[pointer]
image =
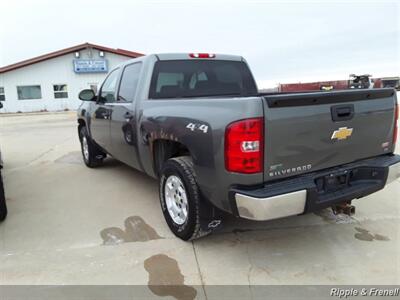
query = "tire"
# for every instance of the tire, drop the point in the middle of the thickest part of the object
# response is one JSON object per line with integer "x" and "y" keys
{"x": 91, "y": 153}
{"x": 179, "y": 177}
{"x": 3, "y": 206}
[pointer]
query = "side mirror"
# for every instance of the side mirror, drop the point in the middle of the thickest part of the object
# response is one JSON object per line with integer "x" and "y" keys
{"x": 87, "y": 95}
{"x": 1, "y": 105}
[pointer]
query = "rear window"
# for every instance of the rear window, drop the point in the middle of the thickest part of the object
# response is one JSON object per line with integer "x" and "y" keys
{"x": 201, "y": 78}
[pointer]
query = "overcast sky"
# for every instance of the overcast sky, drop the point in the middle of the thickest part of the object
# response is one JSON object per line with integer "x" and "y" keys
{"x": 283, "y": 41}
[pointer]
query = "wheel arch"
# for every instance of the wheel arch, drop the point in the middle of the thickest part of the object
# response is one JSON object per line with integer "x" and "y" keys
{"x": 164, "y": 149}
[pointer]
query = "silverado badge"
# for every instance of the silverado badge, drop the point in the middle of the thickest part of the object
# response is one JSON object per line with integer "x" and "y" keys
{"x": 342, "y": 133}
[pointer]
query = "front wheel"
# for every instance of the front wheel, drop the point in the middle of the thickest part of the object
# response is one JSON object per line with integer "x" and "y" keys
{"x": 3, "y": 206}
{"x": 181, "y": 202}
{"x": 92, "y": 155}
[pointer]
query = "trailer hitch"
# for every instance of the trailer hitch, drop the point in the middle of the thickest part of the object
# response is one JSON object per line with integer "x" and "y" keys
{"x": 344, "y": 208}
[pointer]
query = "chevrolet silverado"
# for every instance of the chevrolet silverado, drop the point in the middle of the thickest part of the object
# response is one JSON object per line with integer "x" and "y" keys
{"x": 198, "y": 124}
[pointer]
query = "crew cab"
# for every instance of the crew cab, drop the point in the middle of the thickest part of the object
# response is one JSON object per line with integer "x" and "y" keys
{"x": 198, "y": 124}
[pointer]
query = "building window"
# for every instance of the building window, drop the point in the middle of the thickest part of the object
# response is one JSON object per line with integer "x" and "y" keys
{"x": 2, "y": 96}
{"x": 93, "y": 87}
{"x": 60, "y": 91}
{"x": 29, "y": 92}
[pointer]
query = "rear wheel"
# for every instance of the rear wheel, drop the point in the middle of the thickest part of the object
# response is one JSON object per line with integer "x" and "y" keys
{"x": 92, "y": 155}
{"x": 180, "y": 199}
{"x": 3, "y": 206}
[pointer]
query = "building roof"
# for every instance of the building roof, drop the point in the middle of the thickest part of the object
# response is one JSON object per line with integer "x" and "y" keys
{"x": 61, "y": 52}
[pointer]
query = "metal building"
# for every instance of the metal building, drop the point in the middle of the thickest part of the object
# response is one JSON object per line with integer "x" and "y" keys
{"x": 51, "y": 82}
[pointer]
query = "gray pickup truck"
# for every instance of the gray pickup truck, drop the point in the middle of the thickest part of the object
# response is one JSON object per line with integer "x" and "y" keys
{"x": 198, "y": 124}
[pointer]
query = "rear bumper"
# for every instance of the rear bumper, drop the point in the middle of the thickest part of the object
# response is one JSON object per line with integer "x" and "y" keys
{"x": 269, "y": 208}
{"x": 310, "y": 193}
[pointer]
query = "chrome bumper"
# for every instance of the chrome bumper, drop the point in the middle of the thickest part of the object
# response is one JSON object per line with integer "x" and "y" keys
{"x": 257, "y": 207}
{"x": 262, "y": 209}
{"x": 394, "y": 173}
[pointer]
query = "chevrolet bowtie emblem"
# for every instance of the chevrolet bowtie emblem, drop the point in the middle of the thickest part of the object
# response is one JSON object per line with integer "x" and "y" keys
{"x": 342, "y": 133}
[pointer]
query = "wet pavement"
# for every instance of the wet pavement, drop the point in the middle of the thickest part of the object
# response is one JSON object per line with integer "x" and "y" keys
{"x": 69, "y": 224}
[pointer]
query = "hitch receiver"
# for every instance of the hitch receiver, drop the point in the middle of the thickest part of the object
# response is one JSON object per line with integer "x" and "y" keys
{"x": 344, "y": 208}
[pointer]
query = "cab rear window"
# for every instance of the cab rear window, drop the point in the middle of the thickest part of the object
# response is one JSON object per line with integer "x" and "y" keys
{"x": 201, "y": 78}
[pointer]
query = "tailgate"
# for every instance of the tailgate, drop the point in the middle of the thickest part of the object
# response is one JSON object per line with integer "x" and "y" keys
{"x": 305, "y": 132}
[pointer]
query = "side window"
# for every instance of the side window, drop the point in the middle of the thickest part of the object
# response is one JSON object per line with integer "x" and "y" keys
{"x": 129, "y": 82}
{"x": 109, "y": 86}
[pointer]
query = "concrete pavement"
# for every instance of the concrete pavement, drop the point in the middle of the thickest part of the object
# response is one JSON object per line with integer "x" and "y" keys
{"x": 69, "y": 224}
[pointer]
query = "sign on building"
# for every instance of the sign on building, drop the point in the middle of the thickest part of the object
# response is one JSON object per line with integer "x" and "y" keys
{"x": 90, "y": 66}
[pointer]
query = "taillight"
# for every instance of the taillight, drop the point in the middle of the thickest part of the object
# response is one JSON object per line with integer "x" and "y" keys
{"x": 244, "y": 142}
{"x": 395, "y": 129}
{"x": 201, "y": 55}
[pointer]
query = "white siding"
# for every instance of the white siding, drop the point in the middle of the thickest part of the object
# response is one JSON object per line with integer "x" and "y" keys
{"x": 57, "y": 70}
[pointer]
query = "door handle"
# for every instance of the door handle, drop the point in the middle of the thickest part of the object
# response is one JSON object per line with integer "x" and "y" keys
{"x": 342, "y": 112}
{"x": 104, "y": 115}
